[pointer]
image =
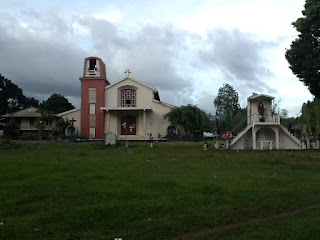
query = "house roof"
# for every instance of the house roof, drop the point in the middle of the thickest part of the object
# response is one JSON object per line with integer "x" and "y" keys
{"x": 28, "y": 112}
{"x": 132, "y": 79}
{"x": 69, "y": 111}
{"x": 260, "y": 96}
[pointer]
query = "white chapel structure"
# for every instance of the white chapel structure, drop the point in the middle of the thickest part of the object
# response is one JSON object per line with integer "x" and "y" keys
{"x": 129, "y": 108}
{"x": 263, "y": 130}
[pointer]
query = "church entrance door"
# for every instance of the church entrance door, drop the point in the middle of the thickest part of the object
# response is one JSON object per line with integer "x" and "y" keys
{"x": 128, "y": 125}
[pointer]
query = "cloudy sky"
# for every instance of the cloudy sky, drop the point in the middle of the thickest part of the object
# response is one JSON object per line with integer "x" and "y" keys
{"x": 187, "y": 49}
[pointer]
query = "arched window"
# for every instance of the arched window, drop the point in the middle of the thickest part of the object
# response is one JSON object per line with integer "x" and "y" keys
{"x": 128, "y": 98}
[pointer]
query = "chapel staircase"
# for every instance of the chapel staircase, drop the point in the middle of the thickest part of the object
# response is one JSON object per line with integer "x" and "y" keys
{"x": 296, "y": 140}
{"x": 240, "y": 134}
{"x": 284, "y": 129}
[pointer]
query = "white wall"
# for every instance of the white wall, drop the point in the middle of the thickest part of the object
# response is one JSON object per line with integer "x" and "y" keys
{"x": 154, "y": 121}
{"x": 252, "y": 109}
{"x": 265, "y": 134}
{"x": 267, "y": 106}
{"x": 157, "y": 124}
{"x": 76, "y": 115}
{"x": 144, "y": 95}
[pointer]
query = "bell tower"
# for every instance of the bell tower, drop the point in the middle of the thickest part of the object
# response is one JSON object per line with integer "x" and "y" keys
{"x": 93, "y": 83}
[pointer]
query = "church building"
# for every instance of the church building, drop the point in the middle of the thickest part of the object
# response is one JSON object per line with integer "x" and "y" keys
{"x": 129, "y": 108}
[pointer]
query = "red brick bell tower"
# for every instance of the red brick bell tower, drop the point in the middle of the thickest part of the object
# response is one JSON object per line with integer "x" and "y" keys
{"x": 93, "y": 85}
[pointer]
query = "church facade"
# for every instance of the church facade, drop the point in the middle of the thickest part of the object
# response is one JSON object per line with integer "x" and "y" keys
{"x": 129, "y": 108}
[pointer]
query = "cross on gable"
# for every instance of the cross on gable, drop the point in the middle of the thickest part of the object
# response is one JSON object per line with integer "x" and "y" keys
{"x": 72, "y": 121}
{"x": 127, "y": 72}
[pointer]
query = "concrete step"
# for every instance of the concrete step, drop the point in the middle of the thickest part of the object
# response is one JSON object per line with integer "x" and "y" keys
{"x": 290, "y": 134}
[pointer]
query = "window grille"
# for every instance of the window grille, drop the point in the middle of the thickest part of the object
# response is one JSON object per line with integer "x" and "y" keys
{"x": 128, "y": 98}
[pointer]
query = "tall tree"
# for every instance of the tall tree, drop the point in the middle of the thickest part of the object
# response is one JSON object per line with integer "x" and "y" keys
{"x": 304, "y": 53}
{"x": 310, "y": 117}
{"x": 56, "y": 103}
{"x": 12, "y": 97}
{"x": 190, "y": 118}
{"x": 227, "y": 107}
{"x": 226, "y": 101}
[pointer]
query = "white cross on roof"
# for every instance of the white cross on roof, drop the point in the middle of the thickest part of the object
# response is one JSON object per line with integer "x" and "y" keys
{"x": 127, "y": 72}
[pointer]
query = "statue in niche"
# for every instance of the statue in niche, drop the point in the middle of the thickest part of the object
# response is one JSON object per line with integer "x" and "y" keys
{"x": 261, "y": 109}
{"x": 261, "y": 112}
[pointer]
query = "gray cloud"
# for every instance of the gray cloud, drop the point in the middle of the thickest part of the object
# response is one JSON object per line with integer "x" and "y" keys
{"x": 205, "y": 102}
{"x": 41, "y": 54}
{"x": 239, "y": 57}
{"x": 40, "y": 58}
{"x": 149, "y": 53}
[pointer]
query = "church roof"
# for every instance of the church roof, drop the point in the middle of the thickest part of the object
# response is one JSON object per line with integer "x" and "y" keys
{"x": 69, "y": 111}
{"x": 164, "y": 104}
{"x": 132, "y": 79}
{"x": 260, "y": 96}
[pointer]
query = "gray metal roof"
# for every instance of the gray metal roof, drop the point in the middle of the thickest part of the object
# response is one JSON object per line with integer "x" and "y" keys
{"x": 28, "y": 112}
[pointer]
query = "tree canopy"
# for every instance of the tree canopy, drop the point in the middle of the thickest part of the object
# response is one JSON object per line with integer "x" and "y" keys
{"x": 310, "y": 117}
{"x": 56, "y": 103}
{"x": 226, "y": 102}
{"x": 12, "y": 97}
{"x": 304, "y": 53}
{"x": 228, "y": 114}
{"x": 190, "y": 117}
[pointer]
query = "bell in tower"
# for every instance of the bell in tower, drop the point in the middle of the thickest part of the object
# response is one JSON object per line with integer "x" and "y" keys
{"x": 94, "y": 67}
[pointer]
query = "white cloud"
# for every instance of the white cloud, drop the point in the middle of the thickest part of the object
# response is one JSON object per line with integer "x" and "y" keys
{"x": 205, "y": 102}
{"x": 241, "y": 42}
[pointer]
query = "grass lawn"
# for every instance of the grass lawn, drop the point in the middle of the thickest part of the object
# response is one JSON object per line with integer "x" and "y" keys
{"x": 71, "y": 191}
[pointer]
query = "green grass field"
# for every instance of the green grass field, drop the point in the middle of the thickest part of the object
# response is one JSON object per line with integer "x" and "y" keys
{"x": 71, "y": 191}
